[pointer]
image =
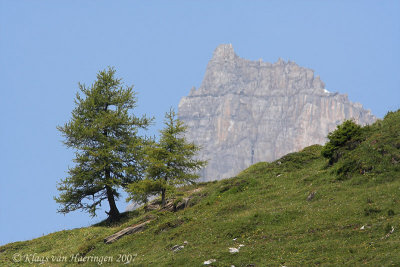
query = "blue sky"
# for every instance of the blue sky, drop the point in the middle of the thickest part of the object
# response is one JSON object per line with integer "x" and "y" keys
{"x": 162, "y": 47}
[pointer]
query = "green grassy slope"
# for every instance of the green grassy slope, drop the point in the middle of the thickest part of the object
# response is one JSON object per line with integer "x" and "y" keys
{"x": 349, "y": 221}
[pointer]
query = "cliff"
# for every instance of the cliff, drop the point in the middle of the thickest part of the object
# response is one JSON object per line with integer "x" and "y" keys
{"x": 250, "y": 111}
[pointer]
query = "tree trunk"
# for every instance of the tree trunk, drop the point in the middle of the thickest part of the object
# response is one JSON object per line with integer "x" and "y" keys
{"x": 113, "y": 214}
{"x": 163, "y": 197}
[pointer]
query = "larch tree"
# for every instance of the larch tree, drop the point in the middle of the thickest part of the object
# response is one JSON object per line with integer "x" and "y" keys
{"x": 108, "y": 148}
{"x": 170, "y": 162}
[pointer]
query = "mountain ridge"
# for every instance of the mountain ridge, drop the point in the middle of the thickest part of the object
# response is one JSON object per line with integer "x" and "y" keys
{"x": 259, "y": 111}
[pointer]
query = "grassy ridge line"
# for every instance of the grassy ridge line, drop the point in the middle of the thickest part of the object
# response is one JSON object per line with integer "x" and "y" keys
{"x": 264, "y": 208}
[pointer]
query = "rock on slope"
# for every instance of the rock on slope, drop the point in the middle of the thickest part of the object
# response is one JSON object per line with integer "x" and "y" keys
{"x": 250, "y": 111}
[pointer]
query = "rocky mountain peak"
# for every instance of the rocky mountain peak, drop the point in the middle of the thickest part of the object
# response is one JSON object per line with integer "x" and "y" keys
{"x": 224, "y": 52}
{"x": 280, "y": 62}
{"x": 249, "y": 111}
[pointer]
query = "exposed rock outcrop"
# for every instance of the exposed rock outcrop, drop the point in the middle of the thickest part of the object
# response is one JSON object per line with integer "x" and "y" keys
{"x": 127, "y": 231}
{"x": 250, "y": 111}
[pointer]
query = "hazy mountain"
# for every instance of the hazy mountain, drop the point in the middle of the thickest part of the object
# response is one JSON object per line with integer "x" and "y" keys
{"x": 249, "y": 111}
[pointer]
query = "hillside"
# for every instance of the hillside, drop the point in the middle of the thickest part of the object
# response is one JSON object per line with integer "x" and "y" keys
{"x": 295, "y": 211}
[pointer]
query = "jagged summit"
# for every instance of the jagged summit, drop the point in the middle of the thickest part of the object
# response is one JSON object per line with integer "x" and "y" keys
{"x": 224, "y": 52}
{"x": 234, "y": 74}
{"x": 249, "y": 111}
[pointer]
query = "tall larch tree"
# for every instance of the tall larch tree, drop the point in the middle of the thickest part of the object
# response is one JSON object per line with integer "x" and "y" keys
{"x": 108, "y": 149}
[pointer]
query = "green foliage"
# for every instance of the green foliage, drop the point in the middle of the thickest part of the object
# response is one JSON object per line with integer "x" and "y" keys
{"x": 170, "y": 162}
{"x": 346, "y": 137}
{"x": 109, "y": 152}
{"x": 172, "y": 158}
{"x": 378, "y": 152}
{"x": 140, "y": 191}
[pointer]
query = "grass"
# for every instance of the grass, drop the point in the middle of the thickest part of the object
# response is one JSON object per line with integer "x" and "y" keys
{"x": 349, "y": 222}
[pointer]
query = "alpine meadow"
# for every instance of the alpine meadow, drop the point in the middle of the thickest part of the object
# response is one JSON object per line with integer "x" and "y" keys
{"x": 299, "y": 210}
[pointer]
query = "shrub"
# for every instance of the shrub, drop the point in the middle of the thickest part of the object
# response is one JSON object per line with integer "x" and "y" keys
{"x": 346, "y": 137}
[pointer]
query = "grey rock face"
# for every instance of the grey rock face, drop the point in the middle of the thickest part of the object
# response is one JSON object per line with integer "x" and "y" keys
{"x": 250, "y": 111}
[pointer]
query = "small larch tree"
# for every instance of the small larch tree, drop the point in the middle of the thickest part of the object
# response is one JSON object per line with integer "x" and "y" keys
{"x": 108, "y": 148}
{"x": 170, "y": 162}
